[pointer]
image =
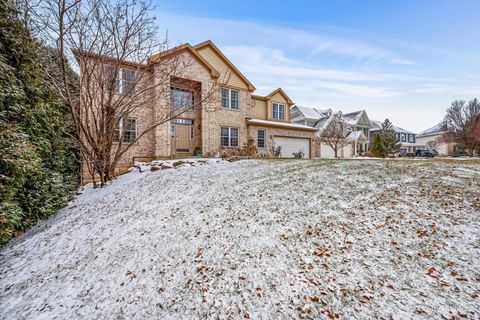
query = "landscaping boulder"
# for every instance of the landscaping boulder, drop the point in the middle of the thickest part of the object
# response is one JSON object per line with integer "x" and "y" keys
{"x": 154, "y": 168}
{"x": 178, "y": 163}
{"x": 166, "y": 166}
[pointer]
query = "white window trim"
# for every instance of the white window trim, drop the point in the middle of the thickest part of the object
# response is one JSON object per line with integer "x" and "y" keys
{"x": 230, "y": 137}
{"x": 120, "y": 88}
{"x": 278, "y": 111}
{"x": 121, "y": 132}
{"x": 229, "y": 104}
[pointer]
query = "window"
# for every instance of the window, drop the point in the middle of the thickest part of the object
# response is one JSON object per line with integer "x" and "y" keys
{"x": 278, "y": 111}
{"x": 228, "y": 137}
{"x": 411, "y": 138}
{"x": 190, "y": 131}
{"x": 404, "y": 137}
{"x": 182, "y": 121}
{"x": 127, "y": 81}
{"x": 261, "y": 138}
{"x": 181, "y": 98}
{"x": 229, "y": 99}
{"x": 398, "y": 136}
{"x": 126, "y": 127}
{"x": 174, "y": 130}
{"x": 123, "y": 79}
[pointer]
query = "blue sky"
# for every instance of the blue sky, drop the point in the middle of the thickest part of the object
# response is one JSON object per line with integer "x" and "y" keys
{"x": 402, "y": 60}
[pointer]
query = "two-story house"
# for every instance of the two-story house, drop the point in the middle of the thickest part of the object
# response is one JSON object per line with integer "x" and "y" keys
{"x": 356, "y": 129}
{"x": 407, "y": 139}
{"x": 236, "y": 118}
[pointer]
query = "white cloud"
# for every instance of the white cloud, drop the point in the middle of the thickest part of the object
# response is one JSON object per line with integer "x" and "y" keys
{"x": 326, "y": 70}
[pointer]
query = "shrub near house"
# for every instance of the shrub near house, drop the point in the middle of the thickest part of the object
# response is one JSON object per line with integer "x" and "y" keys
{"x": 37, "y": 166}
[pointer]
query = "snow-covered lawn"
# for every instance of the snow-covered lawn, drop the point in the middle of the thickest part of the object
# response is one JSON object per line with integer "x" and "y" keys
{"x": 259, "y": 239}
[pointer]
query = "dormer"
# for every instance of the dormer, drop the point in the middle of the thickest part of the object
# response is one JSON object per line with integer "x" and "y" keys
{"x": 274, "y": 107}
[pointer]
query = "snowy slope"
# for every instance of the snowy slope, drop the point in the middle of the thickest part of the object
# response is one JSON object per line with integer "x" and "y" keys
{"x": 258, "y": 239}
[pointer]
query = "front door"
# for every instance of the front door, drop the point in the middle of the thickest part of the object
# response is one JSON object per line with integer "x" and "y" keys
{"x": 183, "y": 138}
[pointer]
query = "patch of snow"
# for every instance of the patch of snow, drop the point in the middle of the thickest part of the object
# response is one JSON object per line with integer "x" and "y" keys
{"x": 259, "y": 239}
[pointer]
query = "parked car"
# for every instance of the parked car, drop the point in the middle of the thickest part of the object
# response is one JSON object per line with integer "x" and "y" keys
{"x": 410, "y": 155}
{"x": 424, "y": 153}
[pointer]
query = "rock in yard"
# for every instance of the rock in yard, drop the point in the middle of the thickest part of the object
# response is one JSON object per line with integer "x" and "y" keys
{"x": 178, "y": 163}
{"x": 154, "y": 168}
{"x": 166, "y": 166}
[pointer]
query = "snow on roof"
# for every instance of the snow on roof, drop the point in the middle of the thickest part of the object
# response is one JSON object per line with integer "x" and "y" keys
{"x": 356, "y": 135}
{"x": 353, "y": 117}
{"x": 280, "y": 124}
{"x": 377, "y": 125}
{"x": 436, "y": 129}
{"x": 309, "y": 113}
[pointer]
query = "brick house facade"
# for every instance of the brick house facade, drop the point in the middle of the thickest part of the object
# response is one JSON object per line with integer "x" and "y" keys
{"x": 222, "y": 121}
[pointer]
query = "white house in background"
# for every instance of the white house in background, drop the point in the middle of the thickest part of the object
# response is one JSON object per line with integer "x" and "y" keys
{"x": 407, "y": 139}
{"x": 435, "y": 134}
{"x": 357, "y": 130}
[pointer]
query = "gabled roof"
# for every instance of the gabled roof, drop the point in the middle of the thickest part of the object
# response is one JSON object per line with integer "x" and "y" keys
{"x": 354, "y": 117}
{"x": 377, "y": 125}
{"x": 78, "y": 54}
{"x": 313, "y": 113}
{"x": 439, "y": 128}
{"x": 184, "y": 47}
{"x": 308, "y": 113}
{"x": 356, "y": 136}
{"x": 279, "y": 90}
{"x": 226, "y": 60}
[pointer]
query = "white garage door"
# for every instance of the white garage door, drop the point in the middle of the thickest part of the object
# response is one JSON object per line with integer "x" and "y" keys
{"x": 293, "y": 145}
{"x": 326, "y": 151}
{"x": 348, "y": 151}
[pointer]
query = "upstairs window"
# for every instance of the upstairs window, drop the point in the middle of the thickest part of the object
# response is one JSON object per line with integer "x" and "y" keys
{"x": 404, "y": 137}
{"x": 228, "y": 137}
{"x": 122, "y": 78}
{"x": 411, "y": 138}
{"x": 126, "y": 127}
{"x": 278, "y": 111}
{"x": 127, "y": 83}
{"x": 181, "y": 98}
{"x": 230, "y": 98}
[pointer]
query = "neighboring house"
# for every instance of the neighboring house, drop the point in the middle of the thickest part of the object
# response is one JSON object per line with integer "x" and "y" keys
{"x": 357, "y": 126}
{"x": 231, "y": 121}
{"x": 434, "y": 134}
{"x": 407, "y": 139}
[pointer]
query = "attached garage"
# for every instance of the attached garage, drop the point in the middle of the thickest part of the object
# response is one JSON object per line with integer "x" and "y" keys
{"x": 348, "y": 151}
{"x": 326, "y": 151}
{"x": 291, "y": 145}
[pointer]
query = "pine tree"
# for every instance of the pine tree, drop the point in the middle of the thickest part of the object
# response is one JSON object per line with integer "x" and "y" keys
{"x": 390, "y": 144}
{"x": 37, "y": 164}
{"x": 377, "y": 148}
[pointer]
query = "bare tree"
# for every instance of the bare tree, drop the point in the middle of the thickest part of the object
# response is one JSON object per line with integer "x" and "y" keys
{"x": 124, "y": 69}
{"x": 462, "y": 121}
{"x": 435, "y": 143}
{"x": 334, "y": 134}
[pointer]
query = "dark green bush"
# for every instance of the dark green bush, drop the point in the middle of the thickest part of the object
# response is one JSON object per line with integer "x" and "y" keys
{"x": 38, "y": 162}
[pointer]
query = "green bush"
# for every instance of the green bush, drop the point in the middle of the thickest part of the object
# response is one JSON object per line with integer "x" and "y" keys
{"x": 38, "y": 163}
